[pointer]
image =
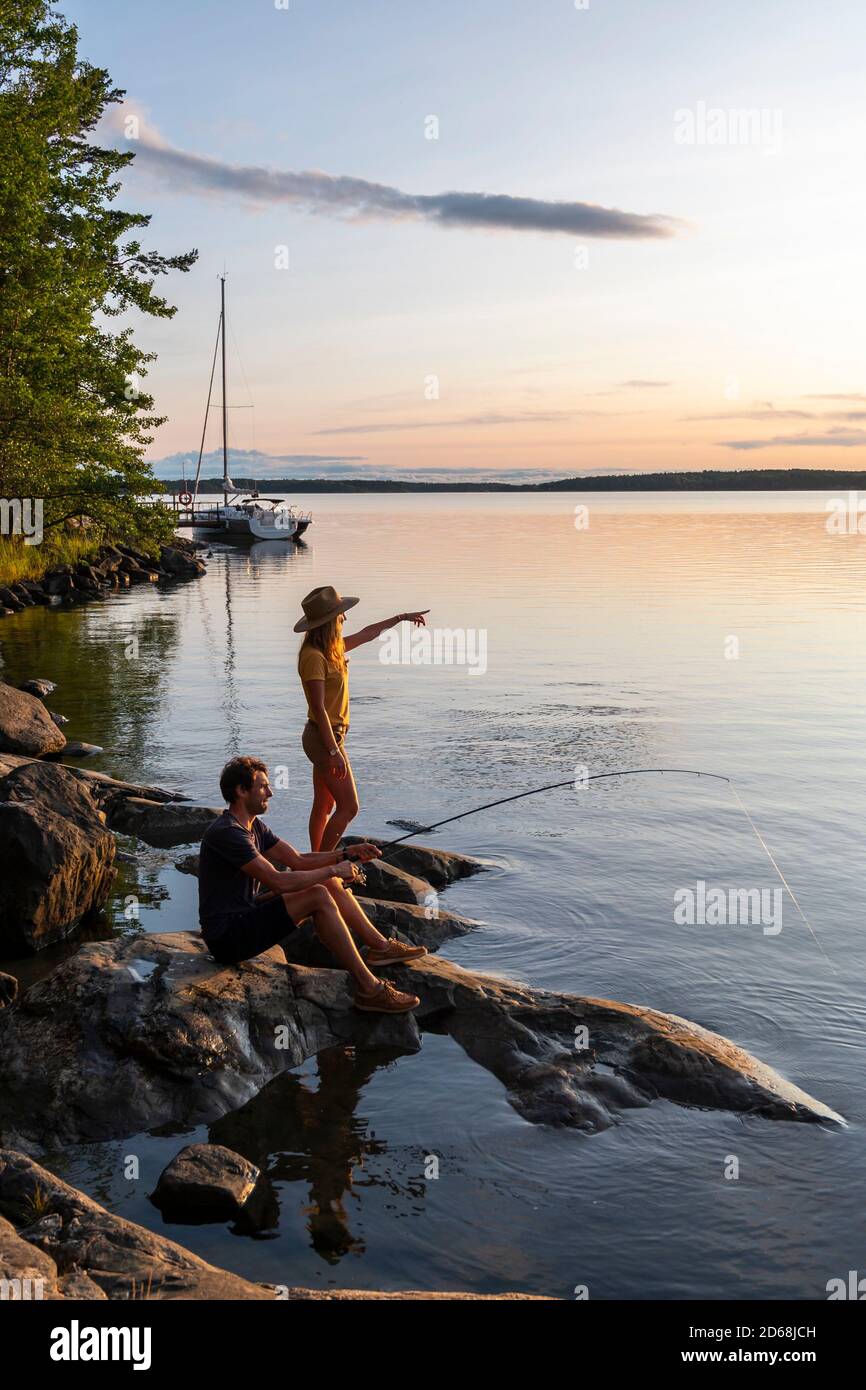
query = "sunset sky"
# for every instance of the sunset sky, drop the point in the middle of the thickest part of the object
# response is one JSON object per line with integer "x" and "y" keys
{"x": 659, "y": 283}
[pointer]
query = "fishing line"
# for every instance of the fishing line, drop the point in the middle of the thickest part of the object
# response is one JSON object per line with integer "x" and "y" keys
{"x": 629, "y": 772}
{"x": 791, "y": 894}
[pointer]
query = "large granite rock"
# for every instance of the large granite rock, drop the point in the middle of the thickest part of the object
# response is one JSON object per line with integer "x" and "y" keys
{"x": 58, "y": 856}
{"x": 26, "y": 727}
{"x": 141, "y": 1032}
{"x": 79, "y": 1251}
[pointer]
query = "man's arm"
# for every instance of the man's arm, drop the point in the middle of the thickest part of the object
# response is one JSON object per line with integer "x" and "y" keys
{"x": 263, "y": 871}
{"x": 286, "y": 854}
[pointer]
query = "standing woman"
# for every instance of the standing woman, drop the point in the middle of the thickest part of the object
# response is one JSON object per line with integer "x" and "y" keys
{"x": 324, "y": 673}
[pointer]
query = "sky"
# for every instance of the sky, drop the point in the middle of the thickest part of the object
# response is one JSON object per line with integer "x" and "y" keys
{"x": 501, "y": 238}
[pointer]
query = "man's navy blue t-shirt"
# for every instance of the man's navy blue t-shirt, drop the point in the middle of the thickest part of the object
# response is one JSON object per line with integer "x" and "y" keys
{"x": 223, "y": 891}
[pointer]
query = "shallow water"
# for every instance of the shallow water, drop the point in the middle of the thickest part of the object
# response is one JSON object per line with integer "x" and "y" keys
{"x": 607, "y": 647}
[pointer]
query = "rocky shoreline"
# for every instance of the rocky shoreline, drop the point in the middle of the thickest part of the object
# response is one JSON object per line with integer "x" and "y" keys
{"x": 147, "y": 1031}
{"x": 112, "y": 568}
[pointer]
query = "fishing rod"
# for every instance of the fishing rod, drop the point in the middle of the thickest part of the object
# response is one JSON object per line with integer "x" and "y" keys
{"x": 550, "y": 787}
{"x": 626, "y": 772}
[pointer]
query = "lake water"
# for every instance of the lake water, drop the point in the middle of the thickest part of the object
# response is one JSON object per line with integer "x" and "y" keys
{"x": 718, "y": 632}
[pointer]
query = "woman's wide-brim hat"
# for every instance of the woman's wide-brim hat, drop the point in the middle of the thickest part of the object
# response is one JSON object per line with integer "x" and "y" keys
{"x": 320, "y": 606}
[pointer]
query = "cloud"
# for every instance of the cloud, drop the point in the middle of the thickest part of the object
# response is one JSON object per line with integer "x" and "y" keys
{"x": 839, "y": 438}
{"x": 639, "y": 385}
{"x": 249, "y": 459}
{"x": 343, "y": 196}
{"x": 528, "y": 417}
{"x": 768, "y": 413}
{"x": 836, "y": 396}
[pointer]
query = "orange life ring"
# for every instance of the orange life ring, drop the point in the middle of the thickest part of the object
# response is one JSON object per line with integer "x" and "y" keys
{"x": 184, "y": 498}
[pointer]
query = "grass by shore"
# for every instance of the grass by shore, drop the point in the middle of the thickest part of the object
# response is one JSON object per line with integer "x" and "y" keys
{"x": 19, "y": 561}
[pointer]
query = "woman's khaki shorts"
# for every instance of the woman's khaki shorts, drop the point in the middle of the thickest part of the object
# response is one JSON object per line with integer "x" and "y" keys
{"x": 314, "y": 747}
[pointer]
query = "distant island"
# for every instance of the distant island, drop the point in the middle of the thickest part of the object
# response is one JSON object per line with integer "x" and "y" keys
{"x": 710, "y": 480}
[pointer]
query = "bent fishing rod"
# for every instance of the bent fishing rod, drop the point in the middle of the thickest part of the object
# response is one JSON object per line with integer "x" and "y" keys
{"x": 550, "y": 787}
{"x": 576, "y": 783}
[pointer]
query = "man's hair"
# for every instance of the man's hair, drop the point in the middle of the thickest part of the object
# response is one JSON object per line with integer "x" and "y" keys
{"x": 238, "y": 773}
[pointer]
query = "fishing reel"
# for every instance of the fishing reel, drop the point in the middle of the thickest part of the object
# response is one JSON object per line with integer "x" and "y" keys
{"x": 359, "y": 879}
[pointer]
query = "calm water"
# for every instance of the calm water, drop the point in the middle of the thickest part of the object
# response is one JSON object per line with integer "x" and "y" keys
{"x": 607, "y": 647}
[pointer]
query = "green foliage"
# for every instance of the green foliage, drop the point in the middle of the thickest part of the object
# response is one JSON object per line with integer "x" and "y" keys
{"x": 74, "y": 419}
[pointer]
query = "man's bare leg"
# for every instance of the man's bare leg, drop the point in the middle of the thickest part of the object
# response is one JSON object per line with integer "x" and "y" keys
{"x": 354, "y": 915}
{"x": 332, "y": 931}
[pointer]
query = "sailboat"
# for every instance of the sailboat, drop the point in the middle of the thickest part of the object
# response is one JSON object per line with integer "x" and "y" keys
{"x": 241, "y": 515}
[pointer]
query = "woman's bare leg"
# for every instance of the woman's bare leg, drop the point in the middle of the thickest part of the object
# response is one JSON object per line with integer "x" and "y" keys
{"x": 323, "y": 805}
{"x": 345, "y": 795}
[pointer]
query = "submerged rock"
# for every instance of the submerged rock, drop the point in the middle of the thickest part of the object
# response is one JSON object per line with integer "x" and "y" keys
{"x": 205, "y": 1180}
{"x": 131, "y": 1034}
{"x": 58, "y": 856}
{"x": 26, "y": 727}
{"x": 38, "y": 686}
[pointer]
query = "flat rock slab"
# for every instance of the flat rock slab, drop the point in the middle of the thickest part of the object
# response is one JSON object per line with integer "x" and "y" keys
{"x": 135, "y": 1033}
{"x": 206, "y": 1179}
{"x": 160, "y": 823}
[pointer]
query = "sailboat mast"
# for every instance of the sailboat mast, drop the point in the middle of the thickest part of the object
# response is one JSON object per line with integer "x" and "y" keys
{"x": 225, "y": 417}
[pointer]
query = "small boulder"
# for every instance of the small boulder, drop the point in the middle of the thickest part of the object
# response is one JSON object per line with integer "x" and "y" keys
{"x": 205, "y": 1182}
{"x": 38, "y": 686}
{"x": 25, "y": 724}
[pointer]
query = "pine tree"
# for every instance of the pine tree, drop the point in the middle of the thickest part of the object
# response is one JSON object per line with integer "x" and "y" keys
{"x": 74, "y": 421}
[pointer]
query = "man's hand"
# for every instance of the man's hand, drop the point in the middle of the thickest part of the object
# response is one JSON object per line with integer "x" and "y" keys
{"x": 363, "y": 853}
{"x": 347, "y": 871}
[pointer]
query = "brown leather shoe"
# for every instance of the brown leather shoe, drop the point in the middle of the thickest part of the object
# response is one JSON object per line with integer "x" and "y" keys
{"x": 386, "y": 1000}
{"x": 394, "y": 953}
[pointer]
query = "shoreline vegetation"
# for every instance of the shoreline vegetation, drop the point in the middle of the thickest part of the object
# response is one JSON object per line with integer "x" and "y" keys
{"x": 707, "y": 480}
{"x": 76, "y": 418}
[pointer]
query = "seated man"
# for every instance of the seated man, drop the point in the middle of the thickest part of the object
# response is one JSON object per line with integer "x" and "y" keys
{"x": 238, "y": 852}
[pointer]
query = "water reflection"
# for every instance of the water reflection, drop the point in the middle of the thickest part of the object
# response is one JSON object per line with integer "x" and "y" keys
{"x": 297, "y": 1134}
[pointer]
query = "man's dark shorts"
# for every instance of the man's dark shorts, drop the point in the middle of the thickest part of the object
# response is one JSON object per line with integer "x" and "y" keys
{"x": 241, "y": 935}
